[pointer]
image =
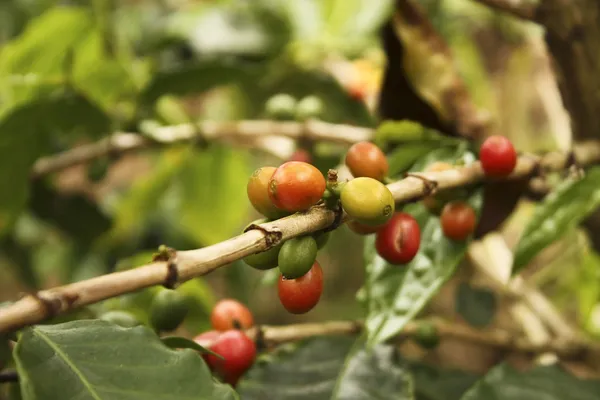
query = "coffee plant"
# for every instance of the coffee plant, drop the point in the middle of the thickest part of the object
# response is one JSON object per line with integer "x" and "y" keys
{"x": 303, "y": 199}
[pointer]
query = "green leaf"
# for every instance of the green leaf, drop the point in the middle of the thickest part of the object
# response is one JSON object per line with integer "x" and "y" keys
{"x": 24, "y": 136}
{"x": 433, "y": 383}
{"x": 177, "y": 342}
{"x": 548, "y": 383}
{"x": 477, "y": 306}
{"x": 199, "y": 77}
{"x": 394, "y": 133}
{"x": 328, "y": 368}
{"x": 213, "y": 201}
{"x": 561, "y": 211}
{"x": 395, "y": 294}
{"x": 95, "y": 360}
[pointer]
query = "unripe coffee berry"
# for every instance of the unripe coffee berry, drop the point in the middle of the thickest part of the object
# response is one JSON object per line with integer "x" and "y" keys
{"x": 458, "y": 220}
{"x": 238, "y": 352}
{"x": 497, "y": 156}
{"x": 281, "y": 106}
{"x": 309, "y": 107}
{"x": 362, "y": 229}
{"x": 399, "y": 240}
{"x": 258, "y": 193}
{"x": 368, "y": 201}
{"x": 231, "y": 314}
{"x": 365, "y": 159}
{"x": 168, "y": 310}
{"x": 299, "y": 296}
{"x": 296, "y": 186}
{"x": 427, "y": 335}
{"x": 297, "y": 256}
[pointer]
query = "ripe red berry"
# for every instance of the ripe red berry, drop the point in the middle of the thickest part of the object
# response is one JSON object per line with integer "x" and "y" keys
{"x": 258, "y": 193}
{"x": 231, "y": 314}
{"x": 238, "y": 351}
{"x": 498, "y": 156}
{"x": 299, "y": 296}
{"x": 296, "y": 186}
{"x": 365, "y": 159}
{"x": 458, "y": 220}
{"x": 399, "y": 240}
{"x": 301, "y": 155}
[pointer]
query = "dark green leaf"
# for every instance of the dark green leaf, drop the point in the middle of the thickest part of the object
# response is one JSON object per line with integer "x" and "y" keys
{"x": 24, "y": 136}
{"x": 548, "y": 383}
{"x": 75, "y": 214}
{"x": 328, "y": 368}
{"x": 561, "y": 211}
{"x": 177, "y": 342}
{"x": 199, "y": 77}
{"x": 395, "y": 294}
{"x": 94, "y": 360}
{"x": 433, "y": 383}
{"x": 477, "y": 306}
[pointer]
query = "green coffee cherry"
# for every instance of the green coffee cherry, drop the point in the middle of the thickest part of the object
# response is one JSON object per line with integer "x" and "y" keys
{"x": 427, "y": 336}
{"x": 168, "y": 310}
{"x": 308, "y": 108}
{"x": 297, "y": 256}
{"x": 264, "y": 260}
{"x": 321, "y": 238}
{"x": 281, "y": 106}
{"x": 121, "y": 318}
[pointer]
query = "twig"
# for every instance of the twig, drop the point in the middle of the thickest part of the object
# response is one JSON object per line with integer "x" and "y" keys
{"x": 192, "y": 263}
{"x": 251, "y": 132}
{"x": 9, "y": 376}
{"x": 517, "y": 8}
{"x": 501, "y": 339}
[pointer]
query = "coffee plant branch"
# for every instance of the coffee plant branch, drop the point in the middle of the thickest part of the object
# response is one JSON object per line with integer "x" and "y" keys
{"x": 524, "y": 9}
{"x": 184, "y": 265}
{"x": 501, "y": 339}
{"x": 239, "y": 131}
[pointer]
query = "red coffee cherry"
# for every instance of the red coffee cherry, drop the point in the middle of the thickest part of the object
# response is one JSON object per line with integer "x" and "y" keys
{"x": 299, "y": 296}
{"x": 296, "y": 186}
{"x": 497, "y": 156}
{"x": 458, "y": 220}
{"x": 258, "y": 193}
{"x": 238, "y": 351}
{"x": 365, "y": 159}
{"x": 399, "y": 240}
{"x": 230, "y": 314}
{"x": 301, "y": 155}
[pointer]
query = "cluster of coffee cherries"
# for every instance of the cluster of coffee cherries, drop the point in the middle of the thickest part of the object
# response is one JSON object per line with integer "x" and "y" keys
{"x": 234, "y": 352}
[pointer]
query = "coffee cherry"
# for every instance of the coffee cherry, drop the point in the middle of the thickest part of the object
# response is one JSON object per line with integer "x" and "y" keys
{"x": 309, "y": 107}
{"x": 365, "y": 159}
{"x": 361, "y": 229}
{"x": 435, "y": 203}
{"x": 497, "y": 156}
{"x": 121, "y": 318}
{"x": 264, "y": 260}
{"x": 231, "y": 314}
{"x": 168, "y": 310}
{"x": 427, "y": 336}
{"x": 238, "y": 352}
{"x": 297, "y": 256}
{"x": 301, "y": 155}
{"x": 281, "y": 106}
{"x": 258, "y": 193}
{"x": 321, "y": 238}
{"x": 296, "y": 186}
{"x": 458, "y": 220}
{"x": 299, "y": 296}
{"x": 368, "y": 201}
{"x": 399, "y": 240}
